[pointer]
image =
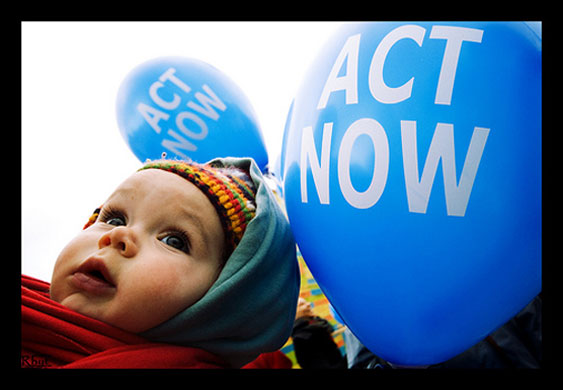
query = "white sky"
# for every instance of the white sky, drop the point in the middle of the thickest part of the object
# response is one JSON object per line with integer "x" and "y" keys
{"x": 73, "y": 155}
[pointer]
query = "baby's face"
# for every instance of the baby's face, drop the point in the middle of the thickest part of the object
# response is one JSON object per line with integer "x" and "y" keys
{"x": 155, "y": 249}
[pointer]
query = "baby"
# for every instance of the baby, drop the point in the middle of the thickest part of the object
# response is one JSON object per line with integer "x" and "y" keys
{"x": 187, "y": 255}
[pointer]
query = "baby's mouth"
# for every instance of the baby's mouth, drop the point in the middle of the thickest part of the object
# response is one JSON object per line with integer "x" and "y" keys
{"x": 94, "y": 277}
{"x": 98, "y": 277}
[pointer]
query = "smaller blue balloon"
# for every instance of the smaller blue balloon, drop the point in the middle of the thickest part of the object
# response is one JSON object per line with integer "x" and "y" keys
{"x": 187, "y": 109}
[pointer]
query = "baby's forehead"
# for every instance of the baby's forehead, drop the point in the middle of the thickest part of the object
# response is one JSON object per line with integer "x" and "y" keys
{"x": 156, "y": 183}
{"x": 164, "y": 193}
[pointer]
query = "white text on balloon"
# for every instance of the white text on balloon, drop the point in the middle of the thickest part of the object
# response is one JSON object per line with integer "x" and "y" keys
{"x": 441, "y": 148}
{"x": 455, "y": 36}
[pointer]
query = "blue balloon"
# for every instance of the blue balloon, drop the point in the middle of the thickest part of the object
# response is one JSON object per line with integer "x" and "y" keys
{"x": 412, "y": 181}
{"x": 187, "y": 109}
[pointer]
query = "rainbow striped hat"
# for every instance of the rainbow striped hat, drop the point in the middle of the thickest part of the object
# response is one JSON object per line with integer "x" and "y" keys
{"x": 230, "y": 190}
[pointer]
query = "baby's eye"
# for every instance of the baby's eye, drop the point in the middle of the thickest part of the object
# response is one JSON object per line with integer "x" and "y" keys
{"x": 113, "y": 217}
{"x": 116, "y": 221}
{"x": 177, "y": 241}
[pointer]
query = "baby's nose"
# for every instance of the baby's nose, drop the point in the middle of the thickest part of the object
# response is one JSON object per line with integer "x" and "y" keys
{"x": 122, "y": 239}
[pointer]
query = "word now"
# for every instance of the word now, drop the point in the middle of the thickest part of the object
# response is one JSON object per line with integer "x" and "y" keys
{"x": 454, "y": 36}
{"x": 418, "y": 191}
{"x": 153, "y": 115}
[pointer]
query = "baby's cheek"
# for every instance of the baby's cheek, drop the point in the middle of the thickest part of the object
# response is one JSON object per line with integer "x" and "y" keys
{"x": 71, "y": 256}
{"x": 153, "y": 298}
{"x": 155, "y": 291}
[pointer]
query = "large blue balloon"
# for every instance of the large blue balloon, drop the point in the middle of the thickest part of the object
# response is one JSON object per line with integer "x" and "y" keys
{"x": 187, "y": 109}
{"x": 412, "y": 181}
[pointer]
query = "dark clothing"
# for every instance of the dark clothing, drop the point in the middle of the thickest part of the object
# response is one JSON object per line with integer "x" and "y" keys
{"x": 314, "y": 346}
{"x": 516, "y": 344}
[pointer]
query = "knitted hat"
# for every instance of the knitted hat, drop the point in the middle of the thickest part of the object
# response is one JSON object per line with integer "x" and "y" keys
{"x": 229, "y": 189}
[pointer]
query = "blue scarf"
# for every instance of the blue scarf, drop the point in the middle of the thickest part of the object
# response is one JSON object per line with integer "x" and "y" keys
{"x": 251, "y": 307}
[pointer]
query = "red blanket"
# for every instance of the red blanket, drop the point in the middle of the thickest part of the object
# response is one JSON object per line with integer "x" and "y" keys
{"x": 54, "y": 336}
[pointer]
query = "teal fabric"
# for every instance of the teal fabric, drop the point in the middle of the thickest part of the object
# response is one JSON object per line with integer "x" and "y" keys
{"x": 250, "y": 309}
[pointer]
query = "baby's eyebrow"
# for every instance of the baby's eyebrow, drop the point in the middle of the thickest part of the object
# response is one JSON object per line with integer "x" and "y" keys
{"x": 122, "y": 192}
{"x": 198, "y": 223}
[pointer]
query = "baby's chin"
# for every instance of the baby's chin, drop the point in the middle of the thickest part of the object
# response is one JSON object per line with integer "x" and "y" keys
{"x": 109, "y": 312}
{"x": 93, "y": 308}
{"x": 97, "y": 308}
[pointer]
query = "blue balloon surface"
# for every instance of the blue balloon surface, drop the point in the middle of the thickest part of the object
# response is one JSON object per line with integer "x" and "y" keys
{"x": 187, "y": 109}
{"x": 412, "y": 181}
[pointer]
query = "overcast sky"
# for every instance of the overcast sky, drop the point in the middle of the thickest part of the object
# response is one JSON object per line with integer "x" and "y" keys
{"x": 73, "y": 155}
